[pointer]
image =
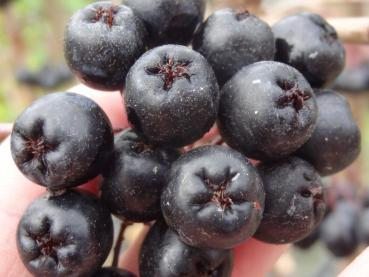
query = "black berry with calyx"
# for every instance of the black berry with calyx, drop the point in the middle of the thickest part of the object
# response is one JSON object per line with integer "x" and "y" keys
{"x": 294, "y": 200}
{"x": 232, "y": 39}
{"x": 214, "y": 198}
{"x": 169, "y": 21}
{"x": 164, "y": 254}
{"x": 307, "y": 42}
{"x": 102, "y": 42}
{"x": 134, "y": 180}
{"x": 335, "y": 142}
{"x": 65, "y": 235}
{"x": 267, "y": 111}
{"x": 113, "y": 272}
{"x": 61, "y": 140}
{"x": 171, "y": 96}
{"x": 339, "y": 230}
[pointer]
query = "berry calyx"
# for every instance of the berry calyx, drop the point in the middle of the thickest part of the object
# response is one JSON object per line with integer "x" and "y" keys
{"x": 293, "y": 95}
{"x": 106, "y": 14}
{"x": 220, "y": 197}
{"x": 170, "y": 70}
{"x": 242, "y": 14}
{"x": 37, "y": 147}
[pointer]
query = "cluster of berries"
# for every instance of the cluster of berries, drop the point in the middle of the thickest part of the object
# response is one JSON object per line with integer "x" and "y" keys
{"x": 252, "y": 80}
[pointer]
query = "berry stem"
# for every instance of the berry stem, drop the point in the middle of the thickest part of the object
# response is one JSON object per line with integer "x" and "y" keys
{"x": 118, "y": 244}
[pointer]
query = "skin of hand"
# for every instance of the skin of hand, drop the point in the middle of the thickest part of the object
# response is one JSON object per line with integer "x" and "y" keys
{"x": 253, "y": 258}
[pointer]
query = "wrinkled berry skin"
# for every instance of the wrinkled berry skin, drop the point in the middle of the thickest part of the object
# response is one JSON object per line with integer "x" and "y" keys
{"x": 135, "y": 178}
{"x": 262, "y": 111}
{"x": 113, "y": 272}
{"x": 230, "y": 40}
{"x": 102, "y": 42}
{"x": 339, "y": 229}
{"x": 307, "y": 42}
{"x": 214, "y": 198}
{"x": 169, "y": 21}
{"x": 61, "y": 140}
{"x": 335, "y": 142}
{"x": 65, "y": 235}
{"x": 163, "y": 254}
{"x": 294, "y": 201}
{"x": 171, "y": 96}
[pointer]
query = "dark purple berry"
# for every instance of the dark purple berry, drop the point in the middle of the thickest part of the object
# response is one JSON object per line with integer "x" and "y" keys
{"x": 335, "y": 142}
{"x": 169, "y": 21}
{"x": 354, "y": 79}
{"x": 49, "y": 76}
{"x": 267, "y": 111}
{"x": 113, "y": 272}
{"x": 61, "y": 140}
{"x": 339, "y": 229}
{"x": 172, "y": 96}
{"x": 363, "y": 226}
{"x": 163, "y": 254}
{"x": 135, "y": 177}
{"x": 214, "y": 198}
{"x": 102, "y": 42}
{"x": 294, "y": 201}
{"x": 307, "y": 42}
{"x": 231, "y": 39}
{"x": 310, "y": 240}
{"x": 65, "y": 235}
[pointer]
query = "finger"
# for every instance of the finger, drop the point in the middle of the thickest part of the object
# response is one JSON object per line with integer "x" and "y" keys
{"x": 110, "y": 102}
{"x": 17, "y": 192}
{"x": 253, "y": 258}
{"x": 129, "y": 259}
{"x": 359, "y": 267}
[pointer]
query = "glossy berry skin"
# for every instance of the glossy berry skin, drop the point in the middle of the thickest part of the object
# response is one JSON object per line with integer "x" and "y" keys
{"x": 169, "y": 21}
{"x": 163, "y": 254}
{"x": 102, "y": 42}
{"x": 307, "y": 42}
{"x": 294, "y": 201}
{"x": 61, "y": 140}
{"x": 113, "y": 272}
{"x": 231, "y": 40}
{"x": 171, "y": 96}
{"x": 214, "y": 198}
{"x": 65, "y": 235}
{"x": 267, "y": 111}
{"x": 335, "y": 142}
{"x": 339, "y": 230}
{"x": 135, "y": 178}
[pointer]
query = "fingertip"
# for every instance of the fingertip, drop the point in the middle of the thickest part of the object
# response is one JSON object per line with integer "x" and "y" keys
{"x": 111, "y": 102}
{"x": 129, "y": 259}
{"x": 256, "y": 258}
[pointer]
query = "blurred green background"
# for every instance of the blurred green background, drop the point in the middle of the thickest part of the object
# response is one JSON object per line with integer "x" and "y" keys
{"x": 31, "y": 35}
{"x": 31, "y": 41}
